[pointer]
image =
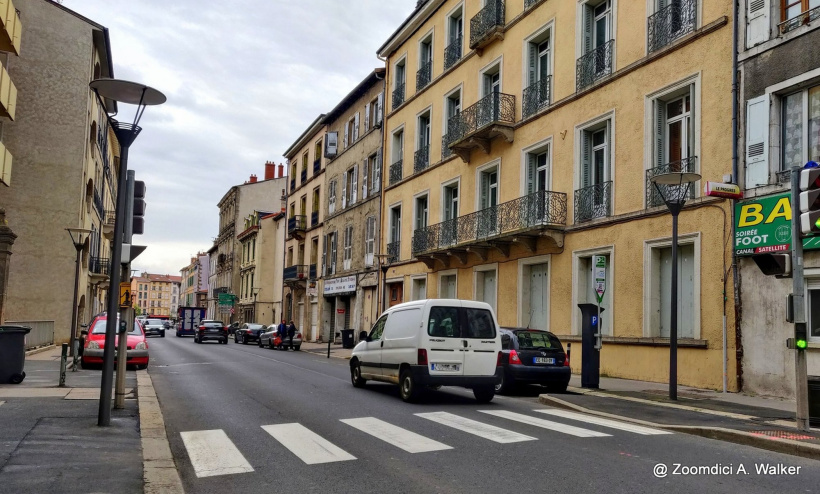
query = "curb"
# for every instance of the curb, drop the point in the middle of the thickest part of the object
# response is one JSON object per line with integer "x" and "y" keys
{"x": 159, "y": 471}
{"x": 778, "y": 445}
{"x": 39, "y": 350}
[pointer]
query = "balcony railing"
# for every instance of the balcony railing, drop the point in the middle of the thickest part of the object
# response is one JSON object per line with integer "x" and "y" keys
{"x": 398, "y": 95}
{"x": 452, "y": 53}
{"x": 594, "y": 66}
{"x": 317, "y": 165}
{"x": 98, "y": 204}
{"x": 314, "y": 218}
{"x": 593, "y": 202}
{"x": 486, "y": 23}
{"x": 795, "y": 22}
{"x": 303, "y": 176}
{"x": 491, "y": 109}
{"x": 536, "y": 97}
{"x": 529, "y": 3}
{"x": 395, "y": 172}
{"x": 99, "y": 265}
{"x": 421, "y": 159}
{"x": 653, "y": 198}
{"x": 293, "y": 184}
{"x": 424, "y": 75}
{"x": 393, "y": 251}
{"x": 446, "y": 152}
{"x": 784, "y": 177}
{"x": 312, "y": 271}
{"x": 670, "y": 23}
{"x": 297, "y": 223}
{"x": 295, "y": 272}
{"x": 540, "y": 209}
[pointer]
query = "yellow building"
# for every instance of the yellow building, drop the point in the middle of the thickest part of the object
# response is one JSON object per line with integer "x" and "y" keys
{"x": 520, "y": 137}
{"x": 154, "y": 294}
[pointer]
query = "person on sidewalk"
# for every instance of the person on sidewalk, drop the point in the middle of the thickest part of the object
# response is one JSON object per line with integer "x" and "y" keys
{"x": 291, "y": 333}
{"x": 282, "y": 331}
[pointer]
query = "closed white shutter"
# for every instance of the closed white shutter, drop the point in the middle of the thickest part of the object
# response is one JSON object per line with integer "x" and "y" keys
{"x": 588, "y": 20}
{"x": 344, "y": 143}
{"x": 757, "y": 142}
{"x": 333, "y": 252}
{"x": 377, "y": 171}
{"x": 354, "y": 184}
{"x": 757, "y": 22}
{"x": 485, "y": 190}
{"x": 356, "y": 127}
{"x": 366, "y": 117}
{"x": 379, "y": 108}
{"x": 531, "y": 165}
{"x": 660, "y": 122}
{"x": 364, "y": 179}
{"x": 344, "y": 190}
{"x": 586, "y": 160}
{"x": 324, "y": 256}
{"x": 533, "y": 63}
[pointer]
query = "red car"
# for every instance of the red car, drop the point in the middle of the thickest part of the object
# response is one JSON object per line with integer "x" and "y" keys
{"x": 95, "y": 343}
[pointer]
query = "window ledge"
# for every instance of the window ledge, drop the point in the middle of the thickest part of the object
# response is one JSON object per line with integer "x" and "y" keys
{"x": 641, "y": 341}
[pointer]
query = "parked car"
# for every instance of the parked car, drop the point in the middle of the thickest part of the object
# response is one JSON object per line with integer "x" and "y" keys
{"x": 137, "y": 346}
{"x": 248, "y": 332}
{"x": 210, "y": 329}
{"x": 154, "y": 326}
{"x": 233, "y": 327}
{"x": 437, "y": 342}
{"x": 532, "y": 356}
{"x": 271, "y": 339}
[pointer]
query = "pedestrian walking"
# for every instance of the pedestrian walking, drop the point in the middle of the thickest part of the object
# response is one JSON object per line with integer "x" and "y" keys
{"x": 291, "y": 333}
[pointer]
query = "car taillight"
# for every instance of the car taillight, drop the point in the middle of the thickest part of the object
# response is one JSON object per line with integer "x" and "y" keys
{"x": 566, "y": 360}
{"x": 514, "y": 359}
{"x": 225, "y": 328}
{"x": 422, "y": 356}
{"x": 202, "y": 328}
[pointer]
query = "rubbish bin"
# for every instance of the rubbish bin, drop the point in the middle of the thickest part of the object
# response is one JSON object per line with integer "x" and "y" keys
{"x": 347, "y": 338}
{"x": 12, "y": 353}
{"x": 814, "y": 401}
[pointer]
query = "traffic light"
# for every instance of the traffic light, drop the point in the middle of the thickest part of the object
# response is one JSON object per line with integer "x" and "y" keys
{"x": 775, "y": 264}
{"x": 810, "y": 201}
{"x": 138, "y": 220}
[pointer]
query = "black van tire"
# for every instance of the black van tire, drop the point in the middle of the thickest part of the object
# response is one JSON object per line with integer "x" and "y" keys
{"x": 504, "y": 386}
{"x": 407, "y": 387}
{"x": 484, "y": 394}
{"x": 356, "y": 375}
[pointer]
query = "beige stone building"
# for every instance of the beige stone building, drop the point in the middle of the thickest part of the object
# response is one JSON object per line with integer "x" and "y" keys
{"x": 156, "y": 294}
{"x": 262, "y": 245}
{"x": 194, "y": 287}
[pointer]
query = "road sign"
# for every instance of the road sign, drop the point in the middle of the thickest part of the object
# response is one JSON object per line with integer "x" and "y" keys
{"x": 599, "y": 275}
{"x": 226, "y": 298}
{"x": 125, "y": 295}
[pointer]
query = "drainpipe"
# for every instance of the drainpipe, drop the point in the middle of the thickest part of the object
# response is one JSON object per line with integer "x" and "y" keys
{"x": 735, "y": 273}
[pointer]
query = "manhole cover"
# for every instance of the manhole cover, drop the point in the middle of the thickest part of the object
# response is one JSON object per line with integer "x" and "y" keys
{"x": 794, "y": 436}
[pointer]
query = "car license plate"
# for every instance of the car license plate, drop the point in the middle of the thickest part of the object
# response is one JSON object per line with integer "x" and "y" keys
{"x": 444, "y": 367}
{"x": 543, "y": 360}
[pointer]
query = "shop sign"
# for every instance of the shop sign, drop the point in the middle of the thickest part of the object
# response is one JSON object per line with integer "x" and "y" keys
{"x": 336, "y": 286}
{"x": 763, "y": 225}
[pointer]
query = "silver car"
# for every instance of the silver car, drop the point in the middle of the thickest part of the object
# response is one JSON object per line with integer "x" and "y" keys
{"x": 154, "y": 327}
{"x": 270, "y": 338}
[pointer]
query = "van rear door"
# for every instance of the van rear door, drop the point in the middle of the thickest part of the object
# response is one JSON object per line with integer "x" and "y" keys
{"x": 480, "y": 340}
{"x": 446, "y": 350}
{"x": 400, "y": 341}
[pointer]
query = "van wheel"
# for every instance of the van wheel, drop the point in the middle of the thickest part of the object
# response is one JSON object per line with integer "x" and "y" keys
{"x": 504, "y": 385}
{"x": 407, "y": 387}
{"x": 484, "y": 394}
{"x": 356, "y": 375}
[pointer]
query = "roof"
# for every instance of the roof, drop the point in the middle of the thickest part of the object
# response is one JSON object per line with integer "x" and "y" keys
{"x": 348, "y": 101}
{"x": 162, "y": 278}
{"x": 424, "y": 9}
{"x": 305, "y": 135}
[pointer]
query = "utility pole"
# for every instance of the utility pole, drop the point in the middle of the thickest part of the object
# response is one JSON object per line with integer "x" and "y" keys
{"x": 126, "y": 315}
{"x": 801, "y": 382}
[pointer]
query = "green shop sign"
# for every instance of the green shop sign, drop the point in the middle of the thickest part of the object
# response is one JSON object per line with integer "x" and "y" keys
{"x": 765, "y": 225}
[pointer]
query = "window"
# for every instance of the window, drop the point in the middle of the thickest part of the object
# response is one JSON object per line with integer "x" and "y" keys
{"x": 331, "y": 197}
{"x": 453, "y": 105}
{"x": 419, "y": 288}
{"x": 395, "y": 224}
{"x": 537, "y": 92}
{"x": 447, "y": 286}
{"x": 304, "y": 162}
{"x": 375, "y": 171}
{"x": 315, "y": 205}
{"x": 596, "y": 59}
{"x": 487, "y": 201}
{"x": 348, "y": 247}
{"x": 370, "y": 240}
{"x": 674, "y": 129}
{"x": 397, "y": 148}
{"x": 421, "y": 159}
{"x": 593, "y": 199}
{"x": 797, "y": 11}
{"x": 538, "y": 170}
{"x": 317, "y": 152}
{"x": 449, "y": 214}
{"x": 801, "y": 128}
{"x": 421, "y": 212}
{"x": 351, "y": 131}
{"x": 314, "y": 252}
{"x": 455, "y": 38}
{"x": 350, "y": 186}
{"x": 425, "y": 72}
{"x": 399, "y": 83}
{"x": 329, "y": 254}
{"x": 486, "y": 285}
{"x": 373, "y": 113}
{"x": 659, "y": 286}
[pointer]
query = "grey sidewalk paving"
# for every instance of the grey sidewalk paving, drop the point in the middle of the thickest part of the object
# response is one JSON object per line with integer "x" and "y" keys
{"x": 336, "y": 349}
{"x": 49, "y": 438}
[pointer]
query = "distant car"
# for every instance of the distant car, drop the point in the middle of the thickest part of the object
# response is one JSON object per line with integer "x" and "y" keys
{"x": 248, "y": 332}
{"x": 532, "y": 356}
{"x": 137, "y": 346}
{"x": 210, "y": 329}
{"x": 233, "y": 327}
{"x": 154, "y": 327}
{"x": 271, "y": 339}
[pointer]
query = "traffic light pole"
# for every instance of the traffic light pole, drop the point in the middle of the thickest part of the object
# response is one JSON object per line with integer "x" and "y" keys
{"x": 801, "y": 383}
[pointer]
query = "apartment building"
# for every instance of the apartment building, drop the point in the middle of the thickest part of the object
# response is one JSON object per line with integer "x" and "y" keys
{"x": 520, "y": 140}
{"x": 305, "y": 213}
{"x": 194, "y": 289}
{"x": 262, "y": 242}
{"x": 779, "y": 88}
{"x": 156, "y": 294}
{"x": 351, "y": 225}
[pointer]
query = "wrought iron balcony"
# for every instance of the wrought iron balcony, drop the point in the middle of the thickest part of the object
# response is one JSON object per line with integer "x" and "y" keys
{"x": 99, "y": 266}
{"x": 398, "y": 95}
{"x": 452, "y": 53}
{"x": 653, "y": 198}
{"x": 795, "y": 22}
{"x": 393, "y": 251}
{"x": 303, "y": 176}
{"x": 492, "y": 116}
{"x": 395, "y": 172}
{"x": 527, "y": 215}
{"x": 424, "y": 75}
{"x": 98, "y": 204}
{"x": 314, "y": 218}
{"x": 446, "y": 152}
{"x": 421, "y": 160}
{"x": 536, "y": 97}
{"x": 594, "y": 66}
{"x": 312, "y": 271}
{"x": 784, "y": 177}
{"x": 293, "y": 184}
{"x": 297, "y": 224}
{"x": 317, "y": 166}
{"x": 487, "y": 25}
{"x": 297, "y": 272}
{"x": 529, "y": 3}
{"x": 670, "y": 23}
{"x": 593, "y": 202}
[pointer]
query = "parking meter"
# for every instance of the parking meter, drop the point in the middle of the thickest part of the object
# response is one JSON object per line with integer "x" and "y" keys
{"x": 590, "y": 355}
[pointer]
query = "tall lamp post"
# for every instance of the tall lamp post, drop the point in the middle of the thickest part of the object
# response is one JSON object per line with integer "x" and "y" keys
{"x": 141, "y": 95}
{"x": 78, "y": 238}
{"x": 255, "y": 294}
{"x": 384, "y": 266}
{"x": 673, "y": 188}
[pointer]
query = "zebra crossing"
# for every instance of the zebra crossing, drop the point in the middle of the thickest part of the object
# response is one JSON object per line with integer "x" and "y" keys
{"x": 212, "y": 452}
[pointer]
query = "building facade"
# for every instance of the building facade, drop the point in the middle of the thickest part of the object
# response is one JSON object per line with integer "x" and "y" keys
{"x": 194, "y": 288}
{"x": 260, "y": 289}
{"x": 71, "y": 182}
{"x": 780, "y": 101}
{"x": 520, "y": 140}
{"x": 156, "y": 294}
{"x": 11, "y": 30}
{"x": 351, "y": 225}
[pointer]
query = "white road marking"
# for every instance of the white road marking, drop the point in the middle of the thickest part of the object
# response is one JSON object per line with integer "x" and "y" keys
{"x": 546, "y": 424}
{"x": 213, "y": 453}
{"x": 306, "y": 444}
{"x": 480, "y": 429}
{"x": 1, "y": 403}
{"x": 637, "y": 429}
{"x": 401, "y": 438}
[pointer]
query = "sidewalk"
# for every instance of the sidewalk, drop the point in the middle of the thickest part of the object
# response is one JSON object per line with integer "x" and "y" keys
{"x": 336, "y": 349}
{"x": 762, "y": 422}
{"x": 49, "y": 438}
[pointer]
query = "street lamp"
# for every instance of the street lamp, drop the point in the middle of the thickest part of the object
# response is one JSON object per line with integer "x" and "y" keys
{"x": 78, "y": 238}
{"x": 141, "y": 95}
{"x": 384, "y": 265}
{"x": 673, "y": 188}
{"x": 255, "y": 293}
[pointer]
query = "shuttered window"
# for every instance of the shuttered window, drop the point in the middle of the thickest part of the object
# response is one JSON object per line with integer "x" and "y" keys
{"x": 370, "y": 240}
{"x": 757, "y": 142}
{"x": 758, "y": 24}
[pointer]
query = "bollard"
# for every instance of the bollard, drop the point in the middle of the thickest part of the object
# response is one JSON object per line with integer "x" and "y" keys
{"x": 569, "y": 349}
{"x": 63, "y": 359}
{"x": 74, "y": 356}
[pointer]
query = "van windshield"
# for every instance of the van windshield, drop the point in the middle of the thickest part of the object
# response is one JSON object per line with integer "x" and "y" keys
{"x": 455, "y": 322}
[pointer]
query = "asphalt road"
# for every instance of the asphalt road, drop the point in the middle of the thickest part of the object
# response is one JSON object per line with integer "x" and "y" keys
{"x": 216, "y": 399}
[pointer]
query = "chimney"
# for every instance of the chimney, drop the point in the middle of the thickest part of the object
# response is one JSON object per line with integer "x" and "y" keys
{"x": 270, "y": 170}
{"x": 253, "y": 179}
{"x": 281, "y": 170}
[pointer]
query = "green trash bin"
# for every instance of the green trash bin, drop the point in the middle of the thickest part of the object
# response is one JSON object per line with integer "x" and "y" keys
{"x": 12, "y": 353}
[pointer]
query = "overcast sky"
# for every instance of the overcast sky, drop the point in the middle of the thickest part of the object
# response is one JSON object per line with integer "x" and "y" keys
{"x": 243, "y": 79}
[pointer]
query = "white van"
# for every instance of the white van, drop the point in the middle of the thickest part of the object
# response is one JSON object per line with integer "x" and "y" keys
{"x": 436, "y": 342}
